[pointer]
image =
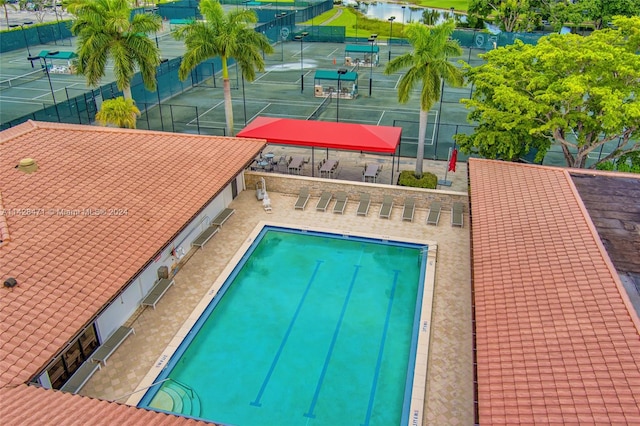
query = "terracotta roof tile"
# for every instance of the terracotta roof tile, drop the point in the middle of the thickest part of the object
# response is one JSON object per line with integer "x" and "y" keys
{"x": 548, "y": 303}
{"x": 63, "y": 260}
{"x": 25, "y": 404}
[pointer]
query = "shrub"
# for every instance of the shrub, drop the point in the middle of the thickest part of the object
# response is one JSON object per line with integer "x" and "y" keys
{"x": 427, "y": 180}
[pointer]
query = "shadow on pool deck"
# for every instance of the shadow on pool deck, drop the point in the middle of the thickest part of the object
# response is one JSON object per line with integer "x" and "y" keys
{"x": 450, "y": 368}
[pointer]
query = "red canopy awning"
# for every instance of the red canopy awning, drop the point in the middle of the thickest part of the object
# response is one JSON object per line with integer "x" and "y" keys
{"x": 325, "y": 134}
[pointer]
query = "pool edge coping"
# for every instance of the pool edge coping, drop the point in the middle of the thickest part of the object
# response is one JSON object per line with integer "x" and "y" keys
{"x": 418, "y": 393}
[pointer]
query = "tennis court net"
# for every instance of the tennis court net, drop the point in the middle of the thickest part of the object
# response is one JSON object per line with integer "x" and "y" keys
{"x": 323, "y": 106}
{"x": 21, "y": 79}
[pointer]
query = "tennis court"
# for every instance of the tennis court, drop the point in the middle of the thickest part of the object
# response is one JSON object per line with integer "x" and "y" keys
{"x": 277, "y": 92}
{"x": 26, "y": 87}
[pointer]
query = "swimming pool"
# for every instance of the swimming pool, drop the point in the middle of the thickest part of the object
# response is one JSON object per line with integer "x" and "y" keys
{"x": 308, "y": 328}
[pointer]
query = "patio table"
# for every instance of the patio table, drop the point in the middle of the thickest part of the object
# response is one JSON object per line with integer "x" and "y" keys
{"x": 371, "y": 173}
{"x": 296, "y": 165}
{"x": 327, "y": 168}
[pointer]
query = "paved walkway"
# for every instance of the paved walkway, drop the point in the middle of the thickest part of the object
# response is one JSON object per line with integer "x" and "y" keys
{"x": 450, "y": 370}
{"x": 352, "y": 164}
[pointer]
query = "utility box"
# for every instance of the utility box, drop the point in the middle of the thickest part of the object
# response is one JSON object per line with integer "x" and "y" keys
{"x": 163, "y": 272}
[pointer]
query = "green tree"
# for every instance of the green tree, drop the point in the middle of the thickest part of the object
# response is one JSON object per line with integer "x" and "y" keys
{"x": 628, "y": 163}
{"x": 578, "y": 92}
{"x": 106, "y": 31}
{"x": 229, "y": 37}
{"x": 511, "y": 15}
{"x": 427, "y": 65}
{"x": 601, "y": 12}
{"x": 564, "y": 12}
{"x": 119, "y": 112}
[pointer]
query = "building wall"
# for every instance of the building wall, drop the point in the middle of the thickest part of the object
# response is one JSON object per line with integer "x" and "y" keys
{"x": 125, "y": 305}
{"x": 286, "y": 184}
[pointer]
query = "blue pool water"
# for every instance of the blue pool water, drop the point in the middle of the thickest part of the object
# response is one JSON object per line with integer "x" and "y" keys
{"x": 309, "y": 329}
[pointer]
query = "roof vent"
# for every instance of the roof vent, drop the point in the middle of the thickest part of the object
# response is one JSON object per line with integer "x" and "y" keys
{"x": 27, "y": 165}
{"x": 10, "y": 282}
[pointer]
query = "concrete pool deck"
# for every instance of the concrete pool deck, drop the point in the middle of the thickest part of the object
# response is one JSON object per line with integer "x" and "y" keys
{"x": 449, "y": 386}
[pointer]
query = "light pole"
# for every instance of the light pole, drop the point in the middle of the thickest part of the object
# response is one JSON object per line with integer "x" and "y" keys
{"x": 26, "y": 42}
{"x": 391, "y": 19}
{"x": 46, "y": 68}
{"x": 403, "y": 8}
{"x": 341, "y": 72}
{"x": 301, "y": 38}
{"x": 279, "y": 17}
{"x": 372, "y": 40}
{"x": 355, "y": 8}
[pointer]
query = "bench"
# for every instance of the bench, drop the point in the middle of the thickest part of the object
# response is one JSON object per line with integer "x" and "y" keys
{"x": 222, "y": 217}
{"x": 80, "y": 377}
{"x": 157, "y": 292}
{"x": 107, "y": 348}
{"x": 205, "y": 236}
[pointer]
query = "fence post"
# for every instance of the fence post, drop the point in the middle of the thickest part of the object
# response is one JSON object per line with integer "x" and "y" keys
{"x": 173, "y": 126}
{"x": 197, "y": 120}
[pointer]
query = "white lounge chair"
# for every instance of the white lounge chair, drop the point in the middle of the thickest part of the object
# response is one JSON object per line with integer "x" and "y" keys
{"x": 324, "y": 200}
{"x": 387, "y": 207}
{"x": 434, "y": 213}
{"x": 456, "y": 214}
{"x": 341, "y": 202}
{"x": 363, "y": 207}
{"x": 409, "y": 208}
{"x": 303, "y": 197}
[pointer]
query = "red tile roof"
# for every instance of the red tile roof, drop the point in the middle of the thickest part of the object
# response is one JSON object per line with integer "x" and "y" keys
{"x": 25, "y": 404}
{"x": 556, "y": 337}
{"x": 69, "y": 266}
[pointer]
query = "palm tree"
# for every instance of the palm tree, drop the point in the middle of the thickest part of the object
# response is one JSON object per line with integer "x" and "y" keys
{"x": 229, "y": 37}
{"x": 4, "y": 4}
{"x": 427, "y": 65}
{"x": 105, "y": 31}
{"x": 119, "y": 112}
{"x": 430, "y": 17}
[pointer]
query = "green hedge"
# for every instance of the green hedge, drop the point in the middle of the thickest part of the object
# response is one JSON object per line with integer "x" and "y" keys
{"x": 408, "y": 178}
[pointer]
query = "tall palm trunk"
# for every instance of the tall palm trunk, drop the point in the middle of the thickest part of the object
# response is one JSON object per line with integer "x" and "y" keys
{"x": 126, "y": 92}
{"x": 6, "y": 14}
{"x": 228, "y": 106}
{"x": 422, "y": 130}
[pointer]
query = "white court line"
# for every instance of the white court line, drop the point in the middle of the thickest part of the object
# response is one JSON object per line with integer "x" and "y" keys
{"x": 298, "y": 53}
{"x": 48, "y": 93}
{"x": 397, "y": 82}
{"x": 200, "y": 115}
{"x": 258, "y": 78}
{"x": 333, "y": 52}
{"x": 380, "y": 119}
{"x": 266, "y": 106}
{"x": 22, "y": 101}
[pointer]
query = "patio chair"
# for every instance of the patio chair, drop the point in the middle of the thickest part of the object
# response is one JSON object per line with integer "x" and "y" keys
{"x": 324, "y": 200}
{"x": 303, "y": 197}
{"x": 341, "y": 202}
{"x": 456, "y": 214}
{"x": 387, "y": 206}
{"x": 434, "y": 213}
{"x": 363, "y": 207}
{"x": 409, "y": 208}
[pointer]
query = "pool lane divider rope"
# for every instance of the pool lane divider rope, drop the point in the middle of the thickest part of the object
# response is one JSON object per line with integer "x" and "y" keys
{"x": 327, "y": 358}
{"x": 276, "y": 358}
{"x": 385, "y": 329}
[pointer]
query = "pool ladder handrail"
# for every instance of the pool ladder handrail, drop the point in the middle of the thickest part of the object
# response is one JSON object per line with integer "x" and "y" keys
{"x": 194, "y": 396}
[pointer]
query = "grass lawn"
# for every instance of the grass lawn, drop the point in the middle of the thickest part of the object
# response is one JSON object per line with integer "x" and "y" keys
{"x": 373, "y": 26}
{"x": 366, "y": 26}
{"x": 459, "y": 5}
